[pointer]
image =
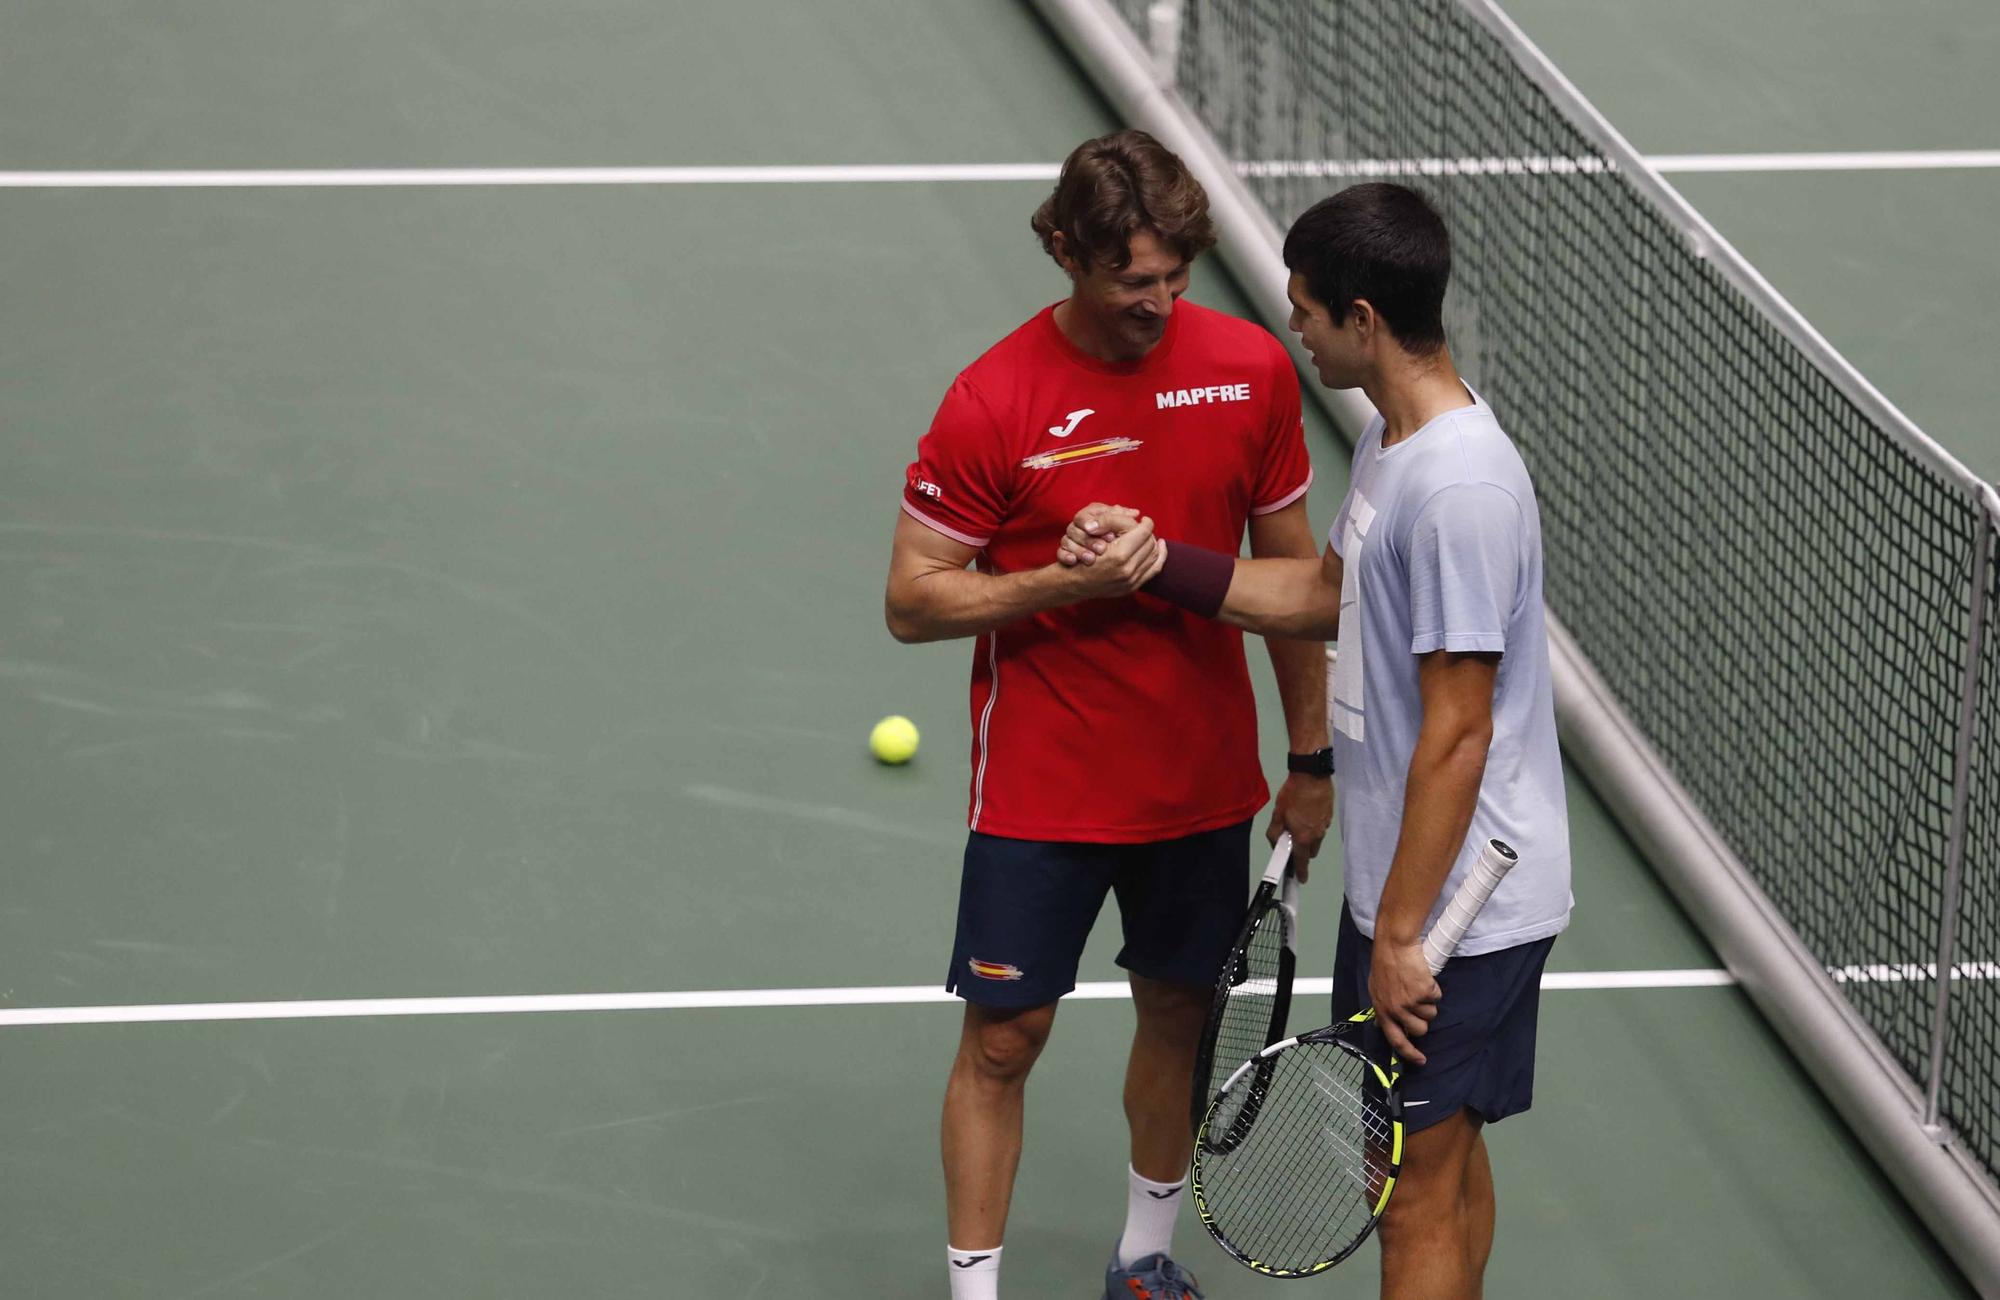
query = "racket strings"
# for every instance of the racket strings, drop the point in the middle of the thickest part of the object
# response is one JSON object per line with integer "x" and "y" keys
{"x": 1300, "y": 1186}
{"x": 1245, "y": 1028}
{"x": 1317, "y": 1205}
{"x": 1360, "y": 1138}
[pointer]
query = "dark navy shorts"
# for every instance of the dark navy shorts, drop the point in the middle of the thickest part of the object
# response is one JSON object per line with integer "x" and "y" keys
{"x": 1025, "y": 908}
{"x": 1479, "y": 1054}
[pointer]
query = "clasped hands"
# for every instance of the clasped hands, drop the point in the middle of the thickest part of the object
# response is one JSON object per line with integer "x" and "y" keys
{"x": 1111, "y": 549}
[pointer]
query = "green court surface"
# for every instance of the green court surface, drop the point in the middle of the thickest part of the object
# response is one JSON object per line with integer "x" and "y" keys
{"x": 475, "y": 591}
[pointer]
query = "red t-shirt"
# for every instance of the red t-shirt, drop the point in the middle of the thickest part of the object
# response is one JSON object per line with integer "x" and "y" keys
{"x": 1113, "y": 721}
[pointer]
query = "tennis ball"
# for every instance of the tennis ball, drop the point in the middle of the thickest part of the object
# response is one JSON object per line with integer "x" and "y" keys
{"x": 894, "y": 740}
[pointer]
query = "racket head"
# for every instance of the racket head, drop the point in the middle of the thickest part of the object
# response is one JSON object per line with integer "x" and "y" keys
{"x": 1311, "y": 1155}
{"x": 1253, "y": 990}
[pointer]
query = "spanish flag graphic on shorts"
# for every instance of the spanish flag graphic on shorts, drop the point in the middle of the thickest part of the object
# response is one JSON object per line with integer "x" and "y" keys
{"x": 993, "y": 970}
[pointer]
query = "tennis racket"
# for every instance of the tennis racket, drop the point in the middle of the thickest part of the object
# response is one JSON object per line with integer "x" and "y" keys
{"x": 1312, "y": 1128}
{"x": 1253, "y": 991}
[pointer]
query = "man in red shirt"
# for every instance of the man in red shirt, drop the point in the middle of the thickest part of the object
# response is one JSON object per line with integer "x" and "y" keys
{"x": 1090, "y": 771}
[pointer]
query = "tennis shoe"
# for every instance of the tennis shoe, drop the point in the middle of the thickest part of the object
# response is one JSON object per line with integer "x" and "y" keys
{"x": 1151, "y": 1277}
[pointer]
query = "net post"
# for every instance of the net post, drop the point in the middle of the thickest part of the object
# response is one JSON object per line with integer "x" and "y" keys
{"x": 1961, "y": 794}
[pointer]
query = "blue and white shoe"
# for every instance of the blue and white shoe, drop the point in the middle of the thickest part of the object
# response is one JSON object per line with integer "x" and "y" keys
{"x": 1152, "y": 1277}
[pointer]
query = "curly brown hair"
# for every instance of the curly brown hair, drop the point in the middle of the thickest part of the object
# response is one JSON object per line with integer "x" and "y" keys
{"x": 1115, "y": 186}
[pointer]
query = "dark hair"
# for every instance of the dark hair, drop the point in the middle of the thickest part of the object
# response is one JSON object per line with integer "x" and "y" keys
{"x": 1381, "y": 242}
{"x": 1115, "y": 186}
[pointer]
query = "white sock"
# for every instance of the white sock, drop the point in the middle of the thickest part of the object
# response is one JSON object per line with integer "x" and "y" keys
{"x": 975, "y": 1274}
{"x": 1150, "y": 1211}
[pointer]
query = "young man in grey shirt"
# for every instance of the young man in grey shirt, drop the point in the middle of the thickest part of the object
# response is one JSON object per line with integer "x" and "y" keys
{"x": 1441, "y": 705}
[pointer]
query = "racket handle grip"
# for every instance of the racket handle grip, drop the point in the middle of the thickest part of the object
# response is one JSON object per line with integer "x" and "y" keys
{"x": 1281, "y": 860}
{"x": 1495, "y": 861}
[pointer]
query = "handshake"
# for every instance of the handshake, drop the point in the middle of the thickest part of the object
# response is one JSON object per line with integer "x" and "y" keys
{"x": 1110, "y": 551}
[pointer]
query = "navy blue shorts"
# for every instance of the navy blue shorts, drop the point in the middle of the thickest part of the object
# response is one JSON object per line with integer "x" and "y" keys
{"x": 1025, "y": 908}
{"x": 1479, "y": 1054}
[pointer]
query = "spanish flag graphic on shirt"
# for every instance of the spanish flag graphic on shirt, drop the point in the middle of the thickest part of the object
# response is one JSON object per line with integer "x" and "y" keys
{"x": 1082, "y": 451}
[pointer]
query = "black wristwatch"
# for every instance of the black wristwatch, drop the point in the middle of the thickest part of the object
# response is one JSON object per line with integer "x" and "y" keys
{"x": 1317, "y": 763}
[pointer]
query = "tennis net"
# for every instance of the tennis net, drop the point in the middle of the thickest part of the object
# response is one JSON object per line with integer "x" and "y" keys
{"x": 1776, "y": 575}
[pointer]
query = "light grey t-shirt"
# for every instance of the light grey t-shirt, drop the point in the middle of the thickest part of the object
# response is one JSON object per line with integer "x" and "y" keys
{"x": 1442, "y": 546}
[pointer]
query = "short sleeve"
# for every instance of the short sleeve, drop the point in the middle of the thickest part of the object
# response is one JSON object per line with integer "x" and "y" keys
{"x": 1284, "y": 471}
{"x": 1465, "y": 569}
{"x": 1336, "y": 536}
{"x": 959, "y": 483}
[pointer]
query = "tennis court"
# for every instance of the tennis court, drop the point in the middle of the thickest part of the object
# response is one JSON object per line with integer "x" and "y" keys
{"x": 468, "y": 586}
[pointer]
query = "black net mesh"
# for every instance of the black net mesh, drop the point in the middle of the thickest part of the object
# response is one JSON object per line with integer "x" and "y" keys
{"x": 1776, "y": 588}
{"x": 1971, "y": 1095}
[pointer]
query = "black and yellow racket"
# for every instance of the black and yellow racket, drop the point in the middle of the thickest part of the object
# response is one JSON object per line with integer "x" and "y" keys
{"x": 1253, "y": 992}
{"x": 1298, "y": 1154}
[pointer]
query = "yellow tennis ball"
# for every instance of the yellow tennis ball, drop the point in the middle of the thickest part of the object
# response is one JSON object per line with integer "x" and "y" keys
{"x": 894, "y": 740}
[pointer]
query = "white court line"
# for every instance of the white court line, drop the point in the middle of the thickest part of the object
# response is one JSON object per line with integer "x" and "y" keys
{"x": 903, "y": 173}
{"x": 1634, "y": 979}
{"x": 706, "y": 999}
{"x": 881, "y": 995}
{"x": 866, "y": 173}
{"x": 1912, "y": 160}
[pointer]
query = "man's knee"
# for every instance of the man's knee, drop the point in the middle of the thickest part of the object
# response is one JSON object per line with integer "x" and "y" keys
{"x": 1416, "y": 1216}
{"x": 1431, "y": 1188}
{"x": 999, "y": 1048}
{"x": 1172, "y": 1008}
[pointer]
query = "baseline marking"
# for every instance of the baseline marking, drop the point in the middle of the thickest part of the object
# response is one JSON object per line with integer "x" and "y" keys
{"x": 890, "y": 173}
{"x": 906, "y": 173}
{"x": 706, "y": 999}
{"x": 862, "y": 996}
{"x": 1909, "y": 160}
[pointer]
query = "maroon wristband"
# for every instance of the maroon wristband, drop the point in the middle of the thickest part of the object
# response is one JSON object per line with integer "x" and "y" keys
{"x": 1194, "y": 577}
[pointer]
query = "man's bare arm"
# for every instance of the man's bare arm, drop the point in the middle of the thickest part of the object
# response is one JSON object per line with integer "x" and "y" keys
{"x": 1304, "y": 804}
{"x": 1440, "y": 795}
{"x": 1284, "y": 597}
{"x": 933, "y": 596}
{"x": 1279, "y": 597}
